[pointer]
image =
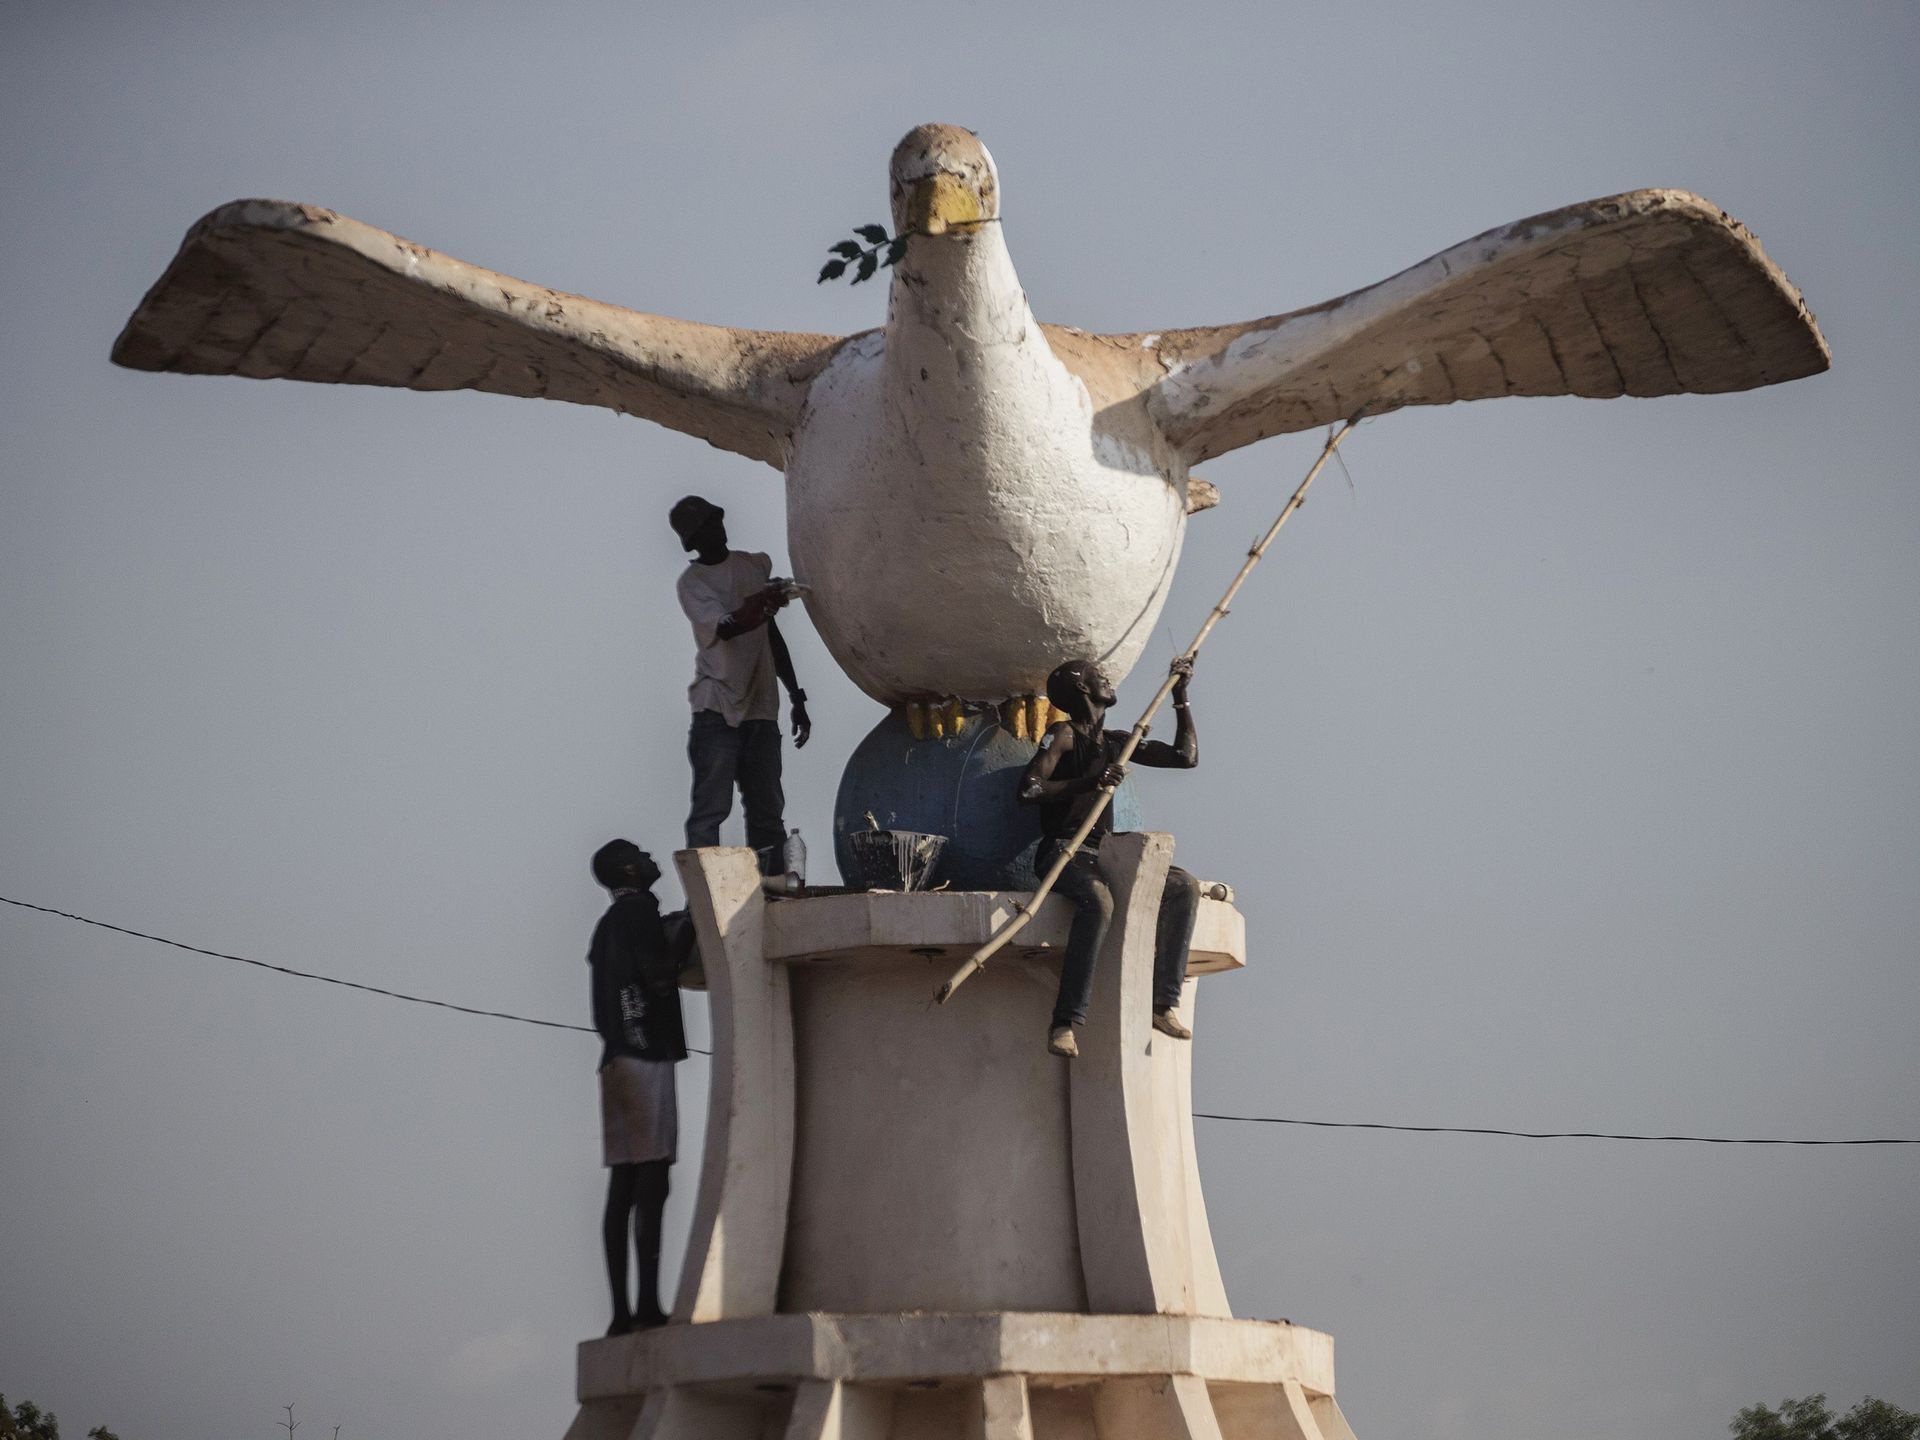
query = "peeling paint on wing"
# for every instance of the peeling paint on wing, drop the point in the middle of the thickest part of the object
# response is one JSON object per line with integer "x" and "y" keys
{"x": 1500, "y": 296}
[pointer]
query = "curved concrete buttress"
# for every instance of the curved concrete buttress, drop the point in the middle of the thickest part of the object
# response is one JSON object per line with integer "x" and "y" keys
{"x": 1209, "y": 1287}
{"x": 1156, "y": 1407}
{"x": 1326, "y": 1413}
{"x": 739, "y": 1228}
{"x": 683, "y": 1412}
{"x": 835, "y": 1410}
{"x": 1271, "y": 1412}
{"x": 1134, "y": 1177}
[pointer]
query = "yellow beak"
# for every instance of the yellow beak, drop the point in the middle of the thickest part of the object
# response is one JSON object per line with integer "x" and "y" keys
{"x": 942, "y": 203}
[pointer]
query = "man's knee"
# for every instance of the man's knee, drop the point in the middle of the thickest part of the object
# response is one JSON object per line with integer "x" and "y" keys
{"x": 1182, "y": 887}
{"x": 1095, "y": 899}
{"x": 653, "y": 1181}
{"x": 621, "y": 1180}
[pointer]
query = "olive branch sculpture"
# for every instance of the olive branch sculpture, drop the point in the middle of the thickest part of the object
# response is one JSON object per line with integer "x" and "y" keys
{"x": 866, "y": 258}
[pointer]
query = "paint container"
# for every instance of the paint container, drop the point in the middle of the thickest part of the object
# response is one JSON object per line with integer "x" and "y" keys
{"x": 894, "y": 859}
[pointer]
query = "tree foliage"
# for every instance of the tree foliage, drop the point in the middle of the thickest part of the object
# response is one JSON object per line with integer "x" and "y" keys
{"x": 1810, "y": 1419}
{"x": 27, "y": 1421}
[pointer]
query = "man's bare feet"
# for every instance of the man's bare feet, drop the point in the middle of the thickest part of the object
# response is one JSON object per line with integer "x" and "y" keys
{"x": 622, "y": 1325}
{"x": 650, "y": 1322}
{"x": 1060, "y": 1041}
{"x": 1168, "y": 1023}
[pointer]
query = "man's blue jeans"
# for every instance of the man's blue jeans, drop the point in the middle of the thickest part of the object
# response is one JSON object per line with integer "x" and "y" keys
{"x": 747, "y": 755}
{"x": 1083, "y": 884}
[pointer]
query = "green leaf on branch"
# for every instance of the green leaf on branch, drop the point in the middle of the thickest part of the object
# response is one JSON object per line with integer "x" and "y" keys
{"x": 883, "y": 250}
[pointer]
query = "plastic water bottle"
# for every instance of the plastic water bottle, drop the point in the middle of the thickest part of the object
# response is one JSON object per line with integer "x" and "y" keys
{"x": 795, "y": 854}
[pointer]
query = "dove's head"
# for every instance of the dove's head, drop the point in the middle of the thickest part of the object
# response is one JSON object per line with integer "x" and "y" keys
{"x": 942, "y": 182}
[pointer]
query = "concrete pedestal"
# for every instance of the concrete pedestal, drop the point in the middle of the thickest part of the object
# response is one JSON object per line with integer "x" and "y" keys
{"x": 913, "y": 1221}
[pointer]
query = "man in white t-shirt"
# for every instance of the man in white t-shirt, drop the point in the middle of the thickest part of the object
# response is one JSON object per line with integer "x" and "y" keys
{"x": 735, "y": 737}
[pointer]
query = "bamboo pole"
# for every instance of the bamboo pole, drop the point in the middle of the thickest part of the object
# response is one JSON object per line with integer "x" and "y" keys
{"x": 1219, "y": 612}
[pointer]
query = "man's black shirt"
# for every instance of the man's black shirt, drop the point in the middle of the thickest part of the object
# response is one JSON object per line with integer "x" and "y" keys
{"x": 636, "y": 979}
{"x": 1088, "y": 756}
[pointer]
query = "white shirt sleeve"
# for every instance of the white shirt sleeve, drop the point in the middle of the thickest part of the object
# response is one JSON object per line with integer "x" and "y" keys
{"x": 709, "y": 594}
{"x": 705, "y": 605}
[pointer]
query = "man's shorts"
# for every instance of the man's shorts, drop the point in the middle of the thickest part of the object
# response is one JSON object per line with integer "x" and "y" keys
{"x": 639, "y": 1116}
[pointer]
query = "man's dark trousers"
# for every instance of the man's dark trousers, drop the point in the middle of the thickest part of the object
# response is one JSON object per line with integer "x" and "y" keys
{"x": 1082, "y": 883}
{"x": 747, "y": 754}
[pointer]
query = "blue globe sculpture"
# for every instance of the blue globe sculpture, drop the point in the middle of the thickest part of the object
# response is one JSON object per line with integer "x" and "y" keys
{"x": 964, "y": 787}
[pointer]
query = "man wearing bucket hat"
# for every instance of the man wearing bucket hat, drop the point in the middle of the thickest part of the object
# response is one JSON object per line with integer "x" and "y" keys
{"x": 730, "y": 597}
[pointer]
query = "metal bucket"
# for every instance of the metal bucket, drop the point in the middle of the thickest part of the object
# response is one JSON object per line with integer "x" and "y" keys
{"x": 894, "y": 859}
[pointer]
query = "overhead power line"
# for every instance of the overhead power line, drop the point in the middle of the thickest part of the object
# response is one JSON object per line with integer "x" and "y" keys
{"x": 299, "y": 974}
{"x": 1198, "y": 1114}
{"x": 1531, "y": 1134}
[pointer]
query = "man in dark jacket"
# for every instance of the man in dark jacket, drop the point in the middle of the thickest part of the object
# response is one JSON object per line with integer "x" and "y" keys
{"x": 636, "y": 958}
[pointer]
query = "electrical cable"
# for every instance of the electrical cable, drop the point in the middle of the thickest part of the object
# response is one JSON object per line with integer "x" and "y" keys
{"x": 1530, "y": 1134}
{"x": 1198, "y": 1114}
{"x": 308, "y": 974}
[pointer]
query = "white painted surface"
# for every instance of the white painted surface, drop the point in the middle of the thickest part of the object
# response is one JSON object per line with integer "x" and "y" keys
{"x": 901, "y": 1348}
{"x": 832, "y": 928}
{"x": 966, "y": 520}
{"x": 934, "y": 1164}
{"x": 740, "y": 1215}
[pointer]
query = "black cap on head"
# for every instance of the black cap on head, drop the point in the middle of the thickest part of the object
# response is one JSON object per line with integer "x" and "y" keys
{"x": 611, "y": 860}
{"x": 689, "y": 514}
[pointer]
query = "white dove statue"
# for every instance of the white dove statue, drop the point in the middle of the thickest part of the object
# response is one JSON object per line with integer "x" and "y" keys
{"x": 974, "y": 496}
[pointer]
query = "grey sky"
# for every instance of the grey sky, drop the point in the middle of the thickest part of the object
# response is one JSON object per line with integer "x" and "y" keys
{"x": 1588, "y": 730}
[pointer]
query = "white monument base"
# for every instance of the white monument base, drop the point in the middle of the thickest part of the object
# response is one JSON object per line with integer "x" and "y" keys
{"x": 913, "y": 1221}
{"x": 1008, "y": 1376}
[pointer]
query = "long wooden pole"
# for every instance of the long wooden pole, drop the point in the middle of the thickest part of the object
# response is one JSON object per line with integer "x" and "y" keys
{"x": 1219, "y": 612}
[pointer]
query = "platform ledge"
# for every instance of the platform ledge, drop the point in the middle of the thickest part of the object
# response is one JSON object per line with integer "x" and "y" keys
{"x": 910, "y": 1348}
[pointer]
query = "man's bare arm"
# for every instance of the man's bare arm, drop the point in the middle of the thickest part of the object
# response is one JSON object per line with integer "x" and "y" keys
{"x": 1184, "y": 752}
{"x": 783, "y": 667}
{"x": 1037, "y": 785}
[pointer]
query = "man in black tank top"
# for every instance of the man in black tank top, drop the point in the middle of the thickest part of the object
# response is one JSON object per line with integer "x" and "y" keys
{"x": 1076, "y": 758}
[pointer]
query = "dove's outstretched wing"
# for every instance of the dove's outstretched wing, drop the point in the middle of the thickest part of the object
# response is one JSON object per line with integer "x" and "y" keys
{"x": 273, "y": 290}
{"x": 1655, "y": 292}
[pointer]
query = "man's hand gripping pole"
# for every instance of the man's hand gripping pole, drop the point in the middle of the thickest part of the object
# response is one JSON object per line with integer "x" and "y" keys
{"x": 1028, "y": 910}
